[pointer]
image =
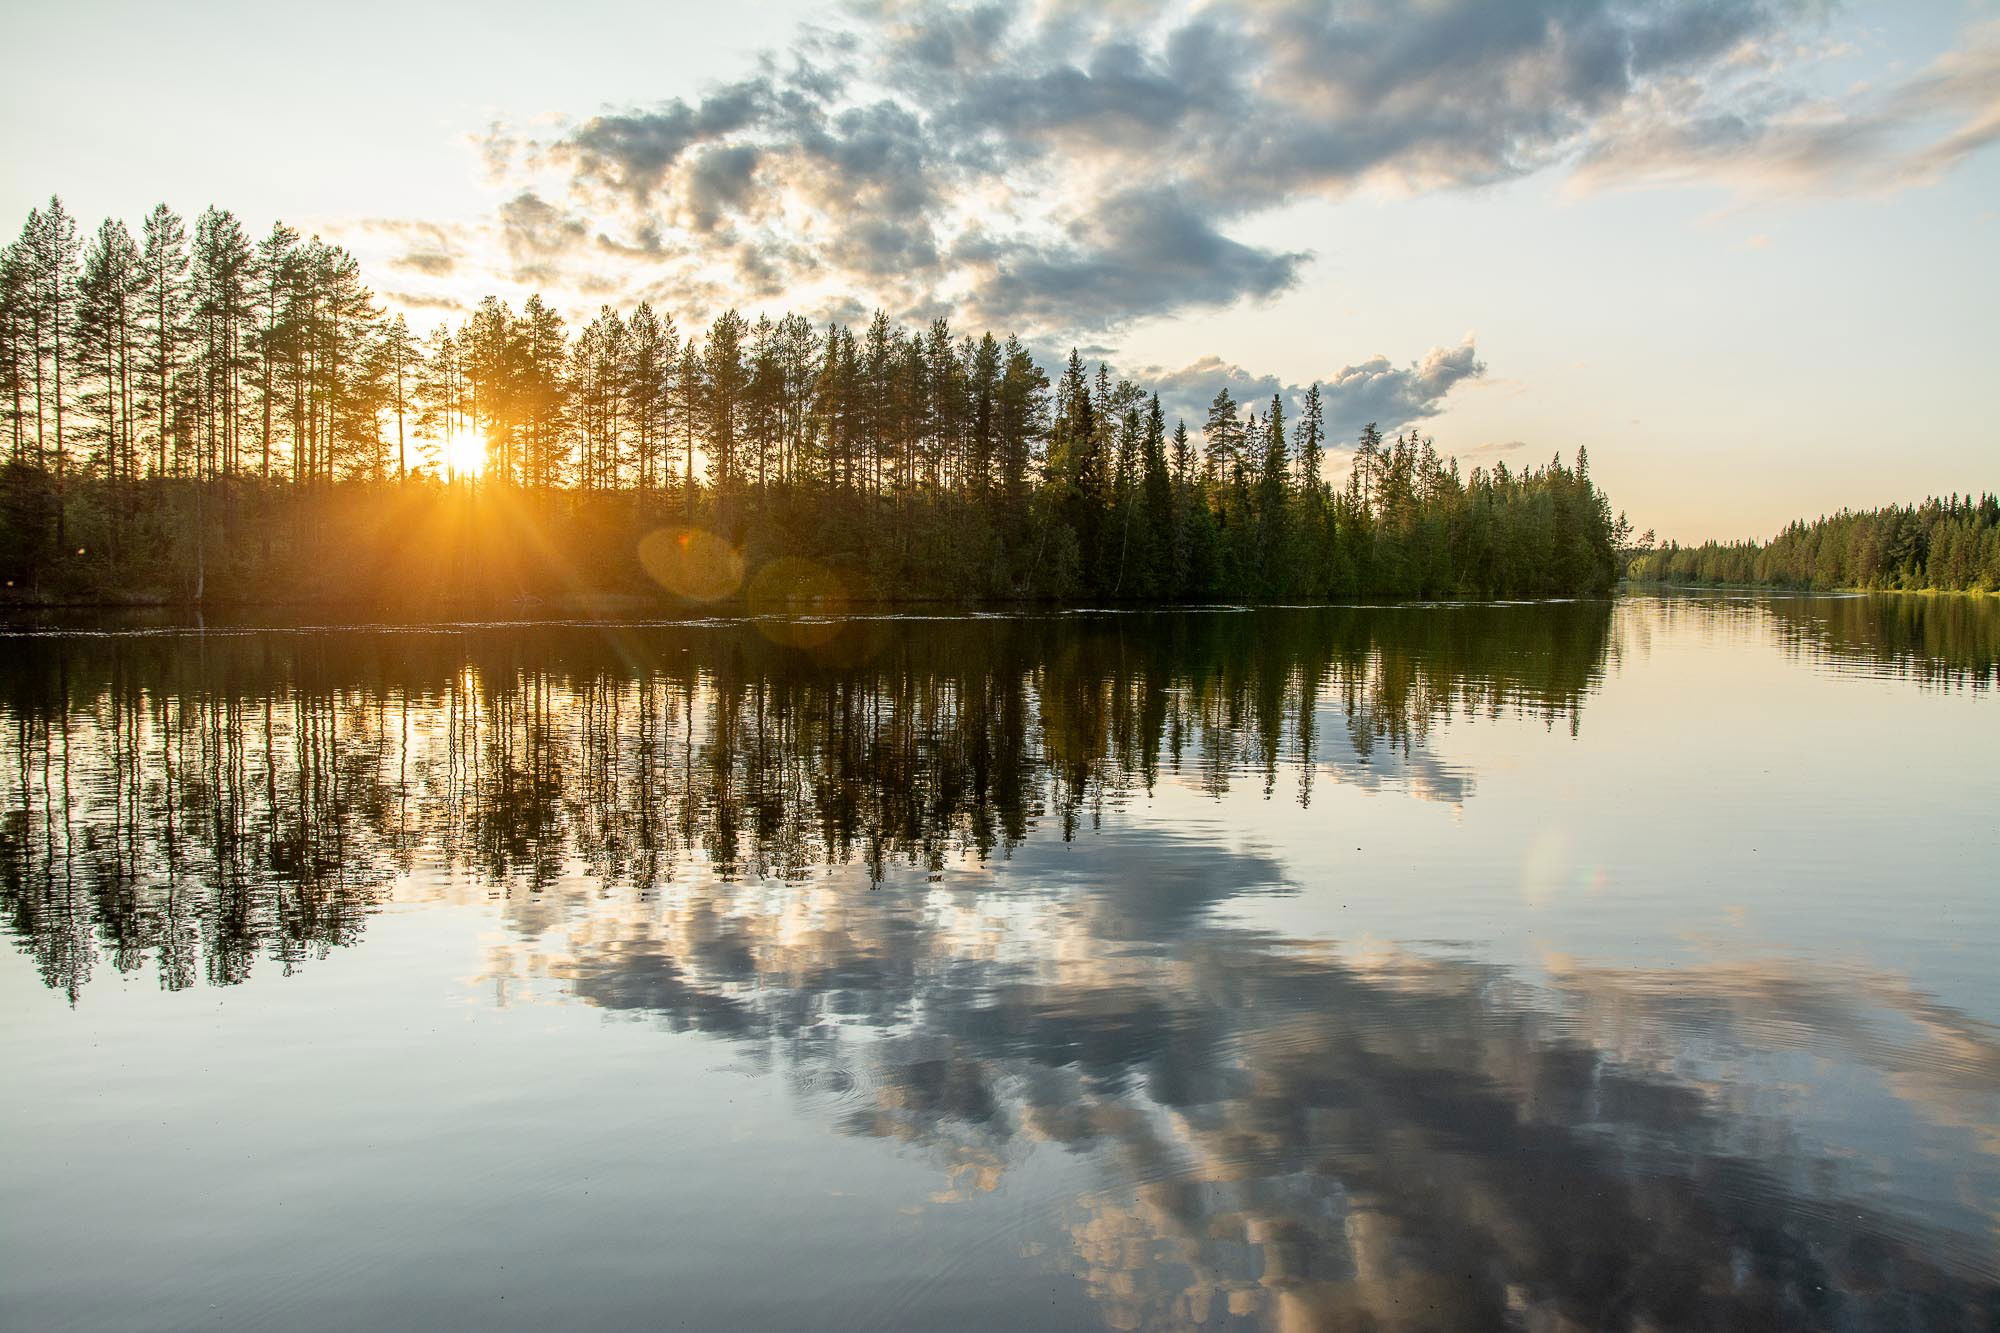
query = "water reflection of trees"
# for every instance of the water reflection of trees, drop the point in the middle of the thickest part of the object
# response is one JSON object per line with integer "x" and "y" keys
{"x": 1943, "y": 641}
{"x": 1276, "y": 1132}
{"x": 207, "y": 800}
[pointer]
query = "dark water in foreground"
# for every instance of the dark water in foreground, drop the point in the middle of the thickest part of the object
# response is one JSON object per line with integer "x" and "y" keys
{"x": 1597, "y": 965}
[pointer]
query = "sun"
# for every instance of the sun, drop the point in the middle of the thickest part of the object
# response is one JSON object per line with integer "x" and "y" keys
{"x": 464, "y": 453}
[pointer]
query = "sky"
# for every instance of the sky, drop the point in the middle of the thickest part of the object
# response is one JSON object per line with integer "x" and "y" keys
{"x": 1745, "y": 251}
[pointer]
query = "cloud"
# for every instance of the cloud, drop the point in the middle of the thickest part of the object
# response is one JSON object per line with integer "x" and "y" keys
{"x": 533, "y": 226}
{"x": 1768, "y": 140}
{"x": 1139, "y": 252}
{"x": 540, "y": 239}
{"x": 1379, "y": 392}
{"x": 430, "y": 263}
{"x": 1066, "y": 171}
{"x": 720, "y": 180}
{"x": 423, "y": 301}
{"x": 500, "y": 150}
{"x": 633, "y": 151}
{"x": 1374, "y": 390}
{"x": 1071, "y": 170}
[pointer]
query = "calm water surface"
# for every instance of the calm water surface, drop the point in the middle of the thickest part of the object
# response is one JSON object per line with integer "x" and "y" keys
{"x": 1591, "y": 965}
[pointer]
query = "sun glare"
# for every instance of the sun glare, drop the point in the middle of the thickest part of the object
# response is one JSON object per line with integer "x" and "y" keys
{"x": 465, "y": 453}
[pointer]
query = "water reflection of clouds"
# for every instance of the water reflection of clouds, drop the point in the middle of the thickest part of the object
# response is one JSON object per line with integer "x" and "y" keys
{"x": 1411, "y": 769}
{"x": 911, "y": 890}
{"x": 1309, "y": 1135}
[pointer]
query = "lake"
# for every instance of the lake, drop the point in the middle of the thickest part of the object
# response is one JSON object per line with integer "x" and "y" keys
{"x": 1617, "y": 964}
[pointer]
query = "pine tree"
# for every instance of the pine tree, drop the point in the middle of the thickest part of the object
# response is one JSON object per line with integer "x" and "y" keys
{"x": 798, "y": 371}
{"x": 652, "y": 351}
{"x": 52, "y": 246}
{"x": 1022, "y": 412}
{"x": 690, "y": 400}
{"x": 598, "y": 385}
{"x": 107, "y": 299}
{"x": 543, "y": 350}
{"x": 219, "y": 289}
{"x": 725, "y": 377}
{"x": 163, "y": 263}
{"x": 491, "y": 362}
{"x": 442, "y": 409}
{"x": 276, "y": 271}
{"x": 18, "y": 344}
{"x": 402, "y": 355}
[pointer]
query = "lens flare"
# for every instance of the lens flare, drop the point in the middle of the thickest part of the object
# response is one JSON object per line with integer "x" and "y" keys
{"x": 692, "y": 563}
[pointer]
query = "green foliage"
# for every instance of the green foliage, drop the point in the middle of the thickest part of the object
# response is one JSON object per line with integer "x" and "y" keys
{"x": 197, "y": 415}
{"x": 1951, "y": 544}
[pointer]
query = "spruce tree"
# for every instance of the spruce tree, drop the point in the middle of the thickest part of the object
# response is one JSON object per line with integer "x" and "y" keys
{"x": 1312, "y": 436}
{"x": 1158, "y": 509}
{"x": 1224, "y": 434}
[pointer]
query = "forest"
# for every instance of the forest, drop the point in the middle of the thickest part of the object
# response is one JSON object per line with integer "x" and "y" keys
{"x": 1950, "y": 545}
{"x": 193, "y": 415}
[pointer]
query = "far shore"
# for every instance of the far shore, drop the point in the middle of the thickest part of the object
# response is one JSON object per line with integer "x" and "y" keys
{"x": 1633, "y": 586}
{"x": 638, "y": 605}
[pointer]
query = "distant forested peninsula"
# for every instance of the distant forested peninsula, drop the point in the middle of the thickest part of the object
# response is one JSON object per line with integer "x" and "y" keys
{"x": 195, "y": 415}
{"x": 1948, "y": 545}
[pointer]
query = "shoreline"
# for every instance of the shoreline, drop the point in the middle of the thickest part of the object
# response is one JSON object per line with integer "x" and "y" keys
{"x": 640, "y": 607}
{"x": 614, "y": 606}
{"x": 1794, "y": 588}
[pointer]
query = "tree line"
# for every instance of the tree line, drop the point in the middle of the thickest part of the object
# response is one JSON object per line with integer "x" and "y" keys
{"x": 1951, "y": 544}
{"x": 195, "y": 412}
